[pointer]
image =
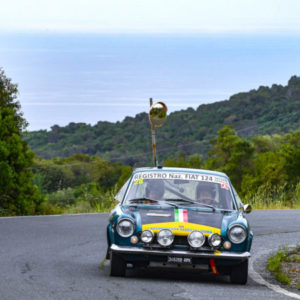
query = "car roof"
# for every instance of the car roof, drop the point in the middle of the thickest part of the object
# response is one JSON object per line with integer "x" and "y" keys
{"x": 171, "y": 169}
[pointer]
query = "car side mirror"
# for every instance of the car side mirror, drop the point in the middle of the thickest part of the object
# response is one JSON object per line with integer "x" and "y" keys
{"x": 247, "y": 208}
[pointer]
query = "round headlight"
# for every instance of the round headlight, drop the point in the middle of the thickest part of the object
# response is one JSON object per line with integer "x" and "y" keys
{"x": 147, "y": 236}
{"x": 196, "y": 239}
{"x": 214, "y": 240}
{"x": 125, "y": 228}
{"x": 165, "y": 237}
{"x": 237, "y": 234}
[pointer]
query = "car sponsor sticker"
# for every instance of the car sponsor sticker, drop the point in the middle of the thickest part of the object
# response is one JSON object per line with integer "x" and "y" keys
{"x": 139, "y": 177}
{"x": 139, "y": 181}
{"x": 181, "y": 228}
{"x": 158, "y": 214}
{"x": 224, "y": 186}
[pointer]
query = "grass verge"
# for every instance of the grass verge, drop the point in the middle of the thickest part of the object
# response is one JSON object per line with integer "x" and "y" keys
{"x": 285, "y": 266}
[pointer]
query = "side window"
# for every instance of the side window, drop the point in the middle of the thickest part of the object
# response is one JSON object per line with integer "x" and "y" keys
{"x": 119, "y": 196}
{"x": 226, "y": 199}
{"x": 238, "y": 199}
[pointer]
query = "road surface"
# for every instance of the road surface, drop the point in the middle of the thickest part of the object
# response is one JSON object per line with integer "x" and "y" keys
{"x": 61, "y": 257}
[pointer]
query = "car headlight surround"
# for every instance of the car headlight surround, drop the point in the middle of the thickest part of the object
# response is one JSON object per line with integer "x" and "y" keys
{"x": 165, "y": 237}
{"x": 125, "y": 228}
{"x": 237, "y": 234}
{"x": 147, "y": 236}
{"x": 196, "y": 239}
{"x": 215, "y": 240}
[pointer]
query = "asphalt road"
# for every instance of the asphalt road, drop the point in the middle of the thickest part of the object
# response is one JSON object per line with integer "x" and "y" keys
{"x": 59, "y": 257}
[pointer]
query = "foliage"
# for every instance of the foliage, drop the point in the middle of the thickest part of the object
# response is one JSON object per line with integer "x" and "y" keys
{"x": 230, "y": 154}
{"x": 61, "y": 173}
{"x": 194, "y": 161}
{"x": 17, "y": 193}
{"x": 83, "y": 199}
{"x": 259, "y": 168}
{"x": 86, "y": 165}
{"x": 274, "y": 263}
{"x": 79, "y": 183}
{"x": 266, "y": 110}
{"x": 278, "y": 265}
{"x": 92, "y": 194}
{"x": 62, "y": 198}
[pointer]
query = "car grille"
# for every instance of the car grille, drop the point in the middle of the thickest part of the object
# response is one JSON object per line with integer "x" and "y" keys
{"x": 180, "y": 241}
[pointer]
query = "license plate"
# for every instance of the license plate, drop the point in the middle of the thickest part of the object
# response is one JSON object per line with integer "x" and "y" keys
{"x": 179, "y": 260}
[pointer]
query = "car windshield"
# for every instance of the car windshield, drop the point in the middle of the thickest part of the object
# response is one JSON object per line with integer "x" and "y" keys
{"x": 180, "y": 189}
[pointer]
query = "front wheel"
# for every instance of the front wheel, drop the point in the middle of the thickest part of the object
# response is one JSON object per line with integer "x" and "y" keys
{"x": 117, "y": 265}
{"x": 239, "y": 273}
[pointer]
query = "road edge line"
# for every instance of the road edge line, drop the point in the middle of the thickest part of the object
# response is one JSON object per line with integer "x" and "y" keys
{"x": 260, "y": 280}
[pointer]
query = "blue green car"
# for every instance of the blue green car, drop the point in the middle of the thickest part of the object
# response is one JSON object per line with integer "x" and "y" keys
{"x": 178, "y": 217}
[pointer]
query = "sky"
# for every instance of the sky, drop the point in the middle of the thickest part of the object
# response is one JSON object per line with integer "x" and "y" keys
{"x": 155, "y": 16}
{"x": 79, "y": 60}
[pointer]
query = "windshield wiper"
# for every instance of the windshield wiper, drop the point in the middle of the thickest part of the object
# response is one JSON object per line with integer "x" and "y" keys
{"x": 193, "y": 202}
{"x": 150, "y": 200}
{"x": 227, "y": 210}
{"x": 142, "y": 200}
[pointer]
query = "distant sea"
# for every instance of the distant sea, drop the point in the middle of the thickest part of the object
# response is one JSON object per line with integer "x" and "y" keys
{"x": 90, "y": 78}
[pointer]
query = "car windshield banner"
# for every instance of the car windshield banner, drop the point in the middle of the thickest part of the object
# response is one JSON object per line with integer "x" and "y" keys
{"x": 181, "y": 176}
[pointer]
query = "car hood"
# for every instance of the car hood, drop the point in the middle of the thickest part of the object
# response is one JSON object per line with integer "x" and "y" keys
{"x": 181, "y": 221}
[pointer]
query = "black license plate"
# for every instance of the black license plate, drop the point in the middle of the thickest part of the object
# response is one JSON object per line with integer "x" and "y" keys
{"x": 179, "y": 260}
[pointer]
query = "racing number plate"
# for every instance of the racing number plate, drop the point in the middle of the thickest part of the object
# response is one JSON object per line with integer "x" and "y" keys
{"x": 179, "y": 260}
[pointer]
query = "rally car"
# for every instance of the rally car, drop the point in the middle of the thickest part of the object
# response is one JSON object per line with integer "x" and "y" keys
{"x": 180, "y": 217}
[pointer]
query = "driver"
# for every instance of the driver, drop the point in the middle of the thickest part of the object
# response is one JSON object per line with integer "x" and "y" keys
{"x": 205, "y": 193}
{"x": 155, "y": 189}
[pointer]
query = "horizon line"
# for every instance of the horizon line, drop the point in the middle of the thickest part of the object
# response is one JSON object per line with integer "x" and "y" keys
{"x": 258, "y": 31}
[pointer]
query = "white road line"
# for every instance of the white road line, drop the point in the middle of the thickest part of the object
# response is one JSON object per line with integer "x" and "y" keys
{"x": 260, "y": 280}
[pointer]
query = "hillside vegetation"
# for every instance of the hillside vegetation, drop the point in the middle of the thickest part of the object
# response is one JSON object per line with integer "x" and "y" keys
{"x": 264, "y": 168}
{"x": 266, "y": 110}
{"x": 265, "y": 171}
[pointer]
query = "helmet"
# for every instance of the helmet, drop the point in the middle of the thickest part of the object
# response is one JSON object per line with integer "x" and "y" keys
{"x": 155, "y": 188}
{"x": 206, "y": 187}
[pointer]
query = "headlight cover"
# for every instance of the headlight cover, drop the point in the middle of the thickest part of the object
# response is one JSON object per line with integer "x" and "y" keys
{"x": 196, "y": 239}
{"x": 147, "y": 236}
{"x": 214, "y": 240}
{"x": 125, "y": 228}
{"x": 237, "y": 234}
{"x": 165, "y": 237}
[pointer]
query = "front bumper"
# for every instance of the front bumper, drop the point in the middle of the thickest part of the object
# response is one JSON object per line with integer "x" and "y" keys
{"x": 180, "y": 253}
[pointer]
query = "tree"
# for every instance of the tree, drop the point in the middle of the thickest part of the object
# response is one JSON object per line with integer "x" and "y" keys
{"x": 291, "y": 152}
{"x": 17, "y": 193}
{"x": 195, "y": 161}
{"x": 230, "y": 154}
{"x": 179, "y": 161}
{"x": 268, "y": 172}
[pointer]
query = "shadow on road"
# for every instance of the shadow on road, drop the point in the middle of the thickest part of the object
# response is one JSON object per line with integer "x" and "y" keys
{"x": 171, "y": 274}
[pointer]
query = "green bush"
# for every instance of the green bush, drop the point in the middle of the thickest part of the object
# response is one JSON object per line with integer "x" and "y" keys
{"x": 62, "y": 198}
{"x": 274, "y": 266}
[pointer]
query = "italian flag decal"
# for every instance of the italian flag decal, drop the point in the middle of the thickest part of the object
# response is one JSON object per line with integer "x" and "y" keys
{"x": 180, "y": 215}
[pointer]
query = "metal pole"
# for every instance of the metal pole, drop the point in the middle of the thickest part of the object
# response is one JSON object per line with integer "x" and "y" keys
{"x": 154, "y": 147}
{"x": 153, "y": 140}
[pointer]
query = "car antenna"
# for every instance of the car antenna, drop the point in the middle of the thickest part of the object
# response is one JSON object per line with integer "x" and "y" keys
{"x": 157, "y": 117}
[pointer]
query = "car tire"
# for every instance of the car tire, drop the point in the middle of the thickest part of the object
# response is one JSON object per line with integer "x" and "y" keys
{"x": 117, "y": 265}
{"x": 107, "y": 256}
{"x": 239, "y": 273}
